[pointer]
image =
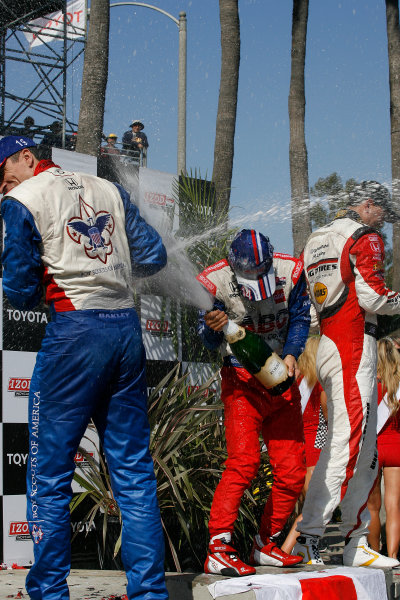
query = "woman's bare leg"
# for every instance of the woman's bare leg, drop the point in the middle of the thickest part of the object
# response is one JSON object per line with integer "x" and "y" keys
{"x": 374, "y": 506}
{"x": 391, "y": 477}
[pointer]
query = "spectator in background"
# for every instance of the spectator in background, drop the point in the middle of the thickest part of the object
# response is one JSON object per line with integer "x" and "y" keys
{"x": 27, "y": 129}
{"x": 135, "y": 140}
{"x": 315, "y": 415}
{"x": 109, "y": 148}
{"x": 54, "y": 138}
{"x": 70, "y": 144}
{"x": 388, "y": 430}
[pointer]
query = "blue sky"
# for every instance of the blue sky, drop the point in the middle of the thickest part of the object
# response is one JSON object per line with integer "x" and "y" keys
{"x": 347, "y": 95}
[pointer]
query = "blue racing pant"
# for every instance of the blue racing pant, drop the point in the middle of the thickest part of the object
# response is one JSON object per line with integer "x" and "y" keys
{"x": 92, "y": 365}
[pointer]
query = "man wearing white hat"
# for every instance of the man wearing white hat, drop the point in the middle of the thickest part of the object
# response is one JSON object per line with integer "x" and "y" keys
{"x": 134, "y": 141}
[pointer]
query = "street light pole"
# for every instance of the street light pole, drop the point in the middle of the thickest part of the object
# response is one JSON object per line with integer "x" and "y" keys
{"x": 182, "y": 69}
{"x": 182, "y": 95}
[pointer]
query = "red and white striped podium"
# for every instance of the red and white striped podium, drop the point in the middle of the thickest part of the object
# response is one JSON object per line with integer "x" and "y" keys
{"x": 341, "y": 583}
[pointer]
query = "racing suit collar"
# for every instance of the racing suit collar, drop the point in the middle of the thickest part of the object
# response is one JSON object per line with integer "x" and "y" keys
{"x": 347, "y": 213}
{"x": 43, "y": 165}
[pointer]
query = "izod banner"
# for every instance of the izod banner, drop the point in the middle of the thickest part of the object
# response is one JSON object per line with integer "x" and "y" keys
{"x": 51, "y": 27}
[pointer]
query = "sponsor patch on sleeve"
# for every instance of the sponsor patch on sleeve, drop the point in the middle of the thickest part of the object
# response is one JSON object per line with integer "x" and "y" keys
{"x": 207, "y": 283}
{"x": 320, "y": 292}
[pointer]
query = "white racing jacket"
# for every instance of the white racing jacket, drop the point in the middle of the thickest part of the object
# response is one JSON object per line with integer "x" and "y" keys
{"x": 344, "y": 264}
{"x": 80, "y": 237}
{"x": 283, "y": 320}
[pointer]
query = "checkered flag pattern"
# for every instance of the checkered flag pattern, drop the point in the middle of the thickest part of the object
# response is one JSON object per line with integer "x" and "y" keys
{"x": 322, "y": 431}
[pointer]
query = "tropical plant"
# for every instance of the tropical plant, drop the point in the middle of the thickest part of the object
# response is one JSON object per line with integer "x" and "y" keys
{"x": 205, "y": 239}
{"x": 94, "y": 79}
{"x": 94, "y": 478}
{"x": 298, "y": 160}
{"x": 227, "y": 103}
{"x": 330, "y": 196}
{"x": 393, "y": 37}
{"x": 200, "y": 220}
{"x": 186, "y": 446}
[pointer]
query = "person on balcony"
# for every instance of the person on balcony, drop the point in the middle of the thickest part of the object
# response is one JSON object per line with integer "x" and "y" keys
{"x": 134, "y": 141}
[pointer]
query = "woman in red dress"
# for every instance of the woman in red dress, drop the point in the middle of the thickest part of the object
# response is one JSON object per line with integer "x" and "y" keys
{"x": 315, "y": 414}
{"x": 388, "y": 430}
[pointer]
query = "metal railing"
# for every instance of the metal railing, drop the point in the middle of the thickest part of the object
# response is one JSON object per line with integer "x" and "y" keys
{"x": 117, "y": 152}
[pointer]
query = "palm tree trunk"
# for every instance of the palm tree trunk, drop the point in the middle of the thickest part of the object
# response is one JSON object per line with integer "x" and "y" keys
{"x": 393, "y": 36}
{"x": 301, "y": 222}
{"x": 227, "y": 103}
{"x": 94, "y": 79}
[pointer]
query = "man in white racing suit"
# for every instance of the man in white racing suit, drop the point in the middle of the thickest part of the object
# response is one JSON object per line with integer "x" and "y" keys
{"x": 79, "y": 241}
{"x": 344, "y": 265}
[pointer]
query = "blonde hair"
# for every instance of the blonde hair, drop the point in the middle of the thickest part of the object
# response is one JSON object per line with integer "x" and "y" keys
{"x": 396, "y": 340}
{"x": 306, "y": 362}
{"x": 389, "y": 371}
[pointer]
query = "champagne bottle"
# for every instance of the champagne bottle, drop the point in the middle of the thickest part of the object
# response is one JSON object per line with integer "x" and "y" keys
{"x": 253, "y": 352}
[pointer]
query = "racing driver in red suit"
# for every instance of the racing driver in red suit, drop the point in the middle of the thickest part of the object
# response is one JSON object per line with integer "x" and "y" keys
{"x": 265, "y": 292}
{"x": 344, "y": 269}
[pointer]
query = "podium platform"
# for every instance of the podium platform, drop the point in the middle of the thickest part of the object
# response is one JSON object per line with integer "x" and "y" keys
{"x": 99, "y": 585}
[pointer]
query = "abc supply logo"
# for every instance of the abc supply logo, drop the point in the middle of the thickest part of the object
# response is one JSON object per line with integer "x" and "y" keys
{"x": 19, "y": 385}
{"x": 320, "y": 292}
{"x": 158, "y": 328}
{"x": 157, "y": 199}
{"x": 19, "y": 530}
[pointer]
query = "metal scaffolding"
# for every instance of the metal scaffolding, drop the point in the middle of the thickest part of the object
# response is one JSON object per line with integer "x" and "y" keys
{"x": 44, "y": 91}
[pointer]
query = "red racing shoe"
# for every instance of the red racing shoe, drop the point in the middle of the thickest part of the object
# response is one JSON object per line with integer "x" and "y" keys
{"x": 222, "y": 559}
{"x": 270, "y": 555}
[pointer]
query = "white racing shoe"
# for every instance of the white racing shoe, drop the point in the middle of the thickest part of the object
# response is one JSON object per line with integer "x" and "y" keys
{"x": 307, "y": 547}
{"x": 223, "y": 559}
{"x": 269, "y": 554}
{"x": 357, "y": 553}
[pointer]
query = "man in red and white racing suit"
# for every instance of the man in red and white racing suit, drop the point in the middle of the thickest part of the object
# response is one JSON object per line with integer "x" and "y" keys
{"x": 345, "y": 273}
{"x": 274, "y": 304}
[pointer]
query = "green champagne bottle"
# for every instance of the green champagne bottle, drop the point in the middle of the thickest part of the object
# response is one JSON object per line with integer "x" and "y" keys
{"x": 253, "y": 352}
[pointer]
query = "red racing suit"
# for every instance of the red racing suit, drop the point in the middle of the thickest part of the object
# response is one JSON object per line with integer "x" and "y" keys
{"x": 344, "y": 269}
{"x": 249, "y": 409}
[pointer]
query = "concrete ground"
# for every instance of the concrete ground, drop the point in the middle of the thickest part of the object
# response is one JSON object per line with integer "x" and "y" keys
{"x": 99, "y": 585}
